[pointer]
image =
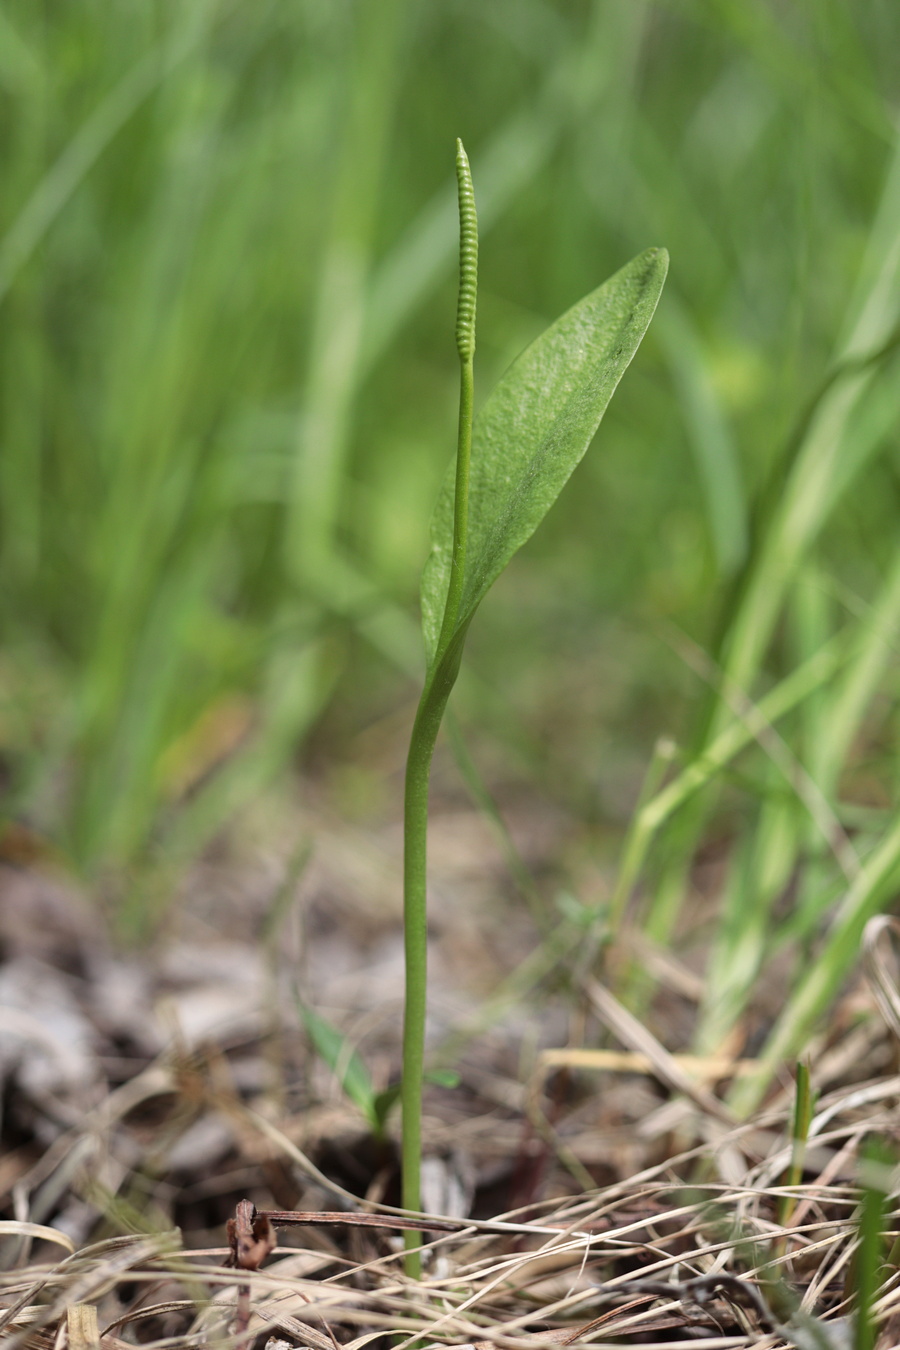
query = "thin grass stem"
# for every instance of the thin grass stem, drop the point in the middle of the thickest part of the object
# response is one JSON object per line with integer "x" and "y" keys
{"x": 803, "y": 1106}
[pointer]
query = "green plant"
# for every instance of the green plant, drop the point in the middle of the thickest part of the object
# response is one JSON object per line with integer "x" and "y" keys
{"x": 803, "y": 1109}
{"x": 510, "y": 468}
{"x": 866, "y": 1274}
{"x": 802, "y": 1119}
{"x": 194, "y": 365}
{"x": 349, "y": 1068}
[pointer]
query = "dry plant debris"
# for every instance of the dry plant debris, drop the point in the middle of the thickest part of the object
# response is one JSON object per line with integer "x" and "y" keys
{"x": 606, "y": 1197}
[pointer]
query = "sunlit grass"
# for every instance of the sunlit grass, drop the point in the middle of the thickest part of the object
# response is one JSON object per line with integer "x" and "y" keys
{"x": 226, "y": 268}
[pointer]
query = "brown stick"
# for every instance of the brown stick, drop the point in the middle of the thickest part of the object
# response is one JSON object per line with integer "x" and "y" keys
{"x": 293, "y": 1218}
{"x": 251, "y": 1237}
{"x": 243, "y": 1227}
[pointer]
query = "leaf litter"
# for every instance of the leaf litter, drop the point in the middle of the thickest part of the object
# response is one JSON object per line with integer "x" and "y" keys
{"x": 577, "y": 1194}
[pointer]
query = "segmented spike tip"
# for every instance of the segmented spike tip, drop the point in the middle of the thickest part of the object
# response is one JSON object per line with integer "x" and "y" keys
{"x": 468, "y": 258}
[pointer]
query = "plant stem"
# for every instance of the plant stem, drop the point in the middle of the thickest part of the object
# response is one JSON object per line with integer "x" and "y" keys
{"x": 803, "y": 1104}
{"x": 415, "y": 938}
{"x": 438, "y": 684}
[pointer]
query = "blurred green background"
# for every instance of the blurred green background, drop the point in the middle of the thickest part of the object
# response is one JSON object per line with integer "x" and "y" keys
{"x": 227, "y": 271}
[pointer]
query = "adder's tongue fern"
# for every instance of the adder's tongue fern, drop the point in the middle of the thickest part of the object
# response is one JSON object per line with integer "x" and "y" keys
{"x": 531, "y": 433}
{"x": 428, "y": 719}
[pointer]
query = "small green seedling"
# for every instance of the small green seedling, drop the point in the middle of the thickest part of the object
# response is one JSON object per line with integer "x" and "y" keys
{"x": 803, "y": 1109}
{"x": 348, "y": 1067}
{"x": 866, "y": 1273}
{"x": 510, "y": 468}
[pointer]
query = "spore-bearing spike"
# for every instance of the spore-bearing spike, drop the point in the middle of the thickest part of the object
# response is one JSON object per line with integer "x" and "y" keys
{"x": 468, "y": 258}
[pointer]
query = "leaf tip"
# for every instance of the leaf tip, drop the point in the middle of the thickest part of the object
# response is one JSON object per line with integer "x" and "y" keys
{"x": 652, "y": 268}
{"x": 660, "y": 255}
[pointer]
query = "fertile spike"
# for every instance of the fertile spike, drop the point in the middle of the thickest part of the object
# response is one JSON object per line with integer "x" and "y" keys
{"x": 468, "y": 258}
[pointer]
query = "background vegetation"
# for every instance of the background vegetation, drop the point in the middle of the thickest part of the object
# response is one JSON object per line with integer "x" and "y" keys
{"x": 228, "y": 377}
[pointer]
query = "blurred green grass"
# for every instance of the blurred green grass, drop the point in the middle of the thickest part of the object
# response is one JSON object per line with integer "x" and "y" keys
{"x": 227, "y": 267}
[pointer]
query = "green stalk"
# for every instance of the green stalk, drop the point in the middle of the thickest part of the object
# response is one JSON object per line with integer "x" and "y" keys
{"x": 438, "y": 684}
{"x": 865, "y": 1275}
{"x": 803, "y": 1108}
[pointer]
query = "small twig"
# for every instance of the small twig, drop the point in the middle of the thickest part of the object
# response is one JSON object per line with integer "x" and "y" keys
{"x": 251, "y": 1238}
{"x": 291, "y": 1218}
{"x": 294, "y": 1218}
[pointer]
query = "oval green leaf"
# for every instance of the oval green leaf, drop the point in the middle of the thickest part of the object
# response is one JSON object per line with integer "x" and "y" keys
{"x": 534, "y": 430}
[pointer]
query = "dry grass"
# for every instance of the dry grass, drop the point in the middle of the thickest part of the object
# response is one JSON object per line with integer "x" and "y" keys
{"x": 677, "y": 1253}
{"x": 653, "y": 1261}
{"x": 617, "y": 1197}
